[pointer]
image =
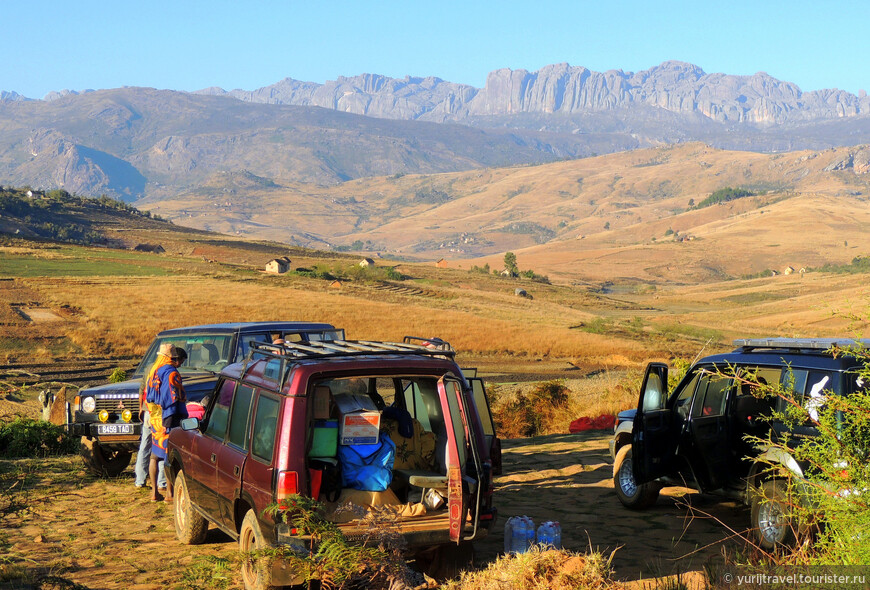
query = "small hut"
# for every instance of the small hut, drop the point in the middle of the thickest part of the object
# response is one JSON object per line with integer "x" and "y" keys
{"x": 442, "y": 263}
{"x": 366, "y": 262}
{"x": 278, "y": 265}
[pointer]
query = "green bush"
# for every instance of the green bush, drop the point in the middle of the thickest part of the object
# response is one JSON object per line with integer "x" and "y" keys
{"x": 330, "y": 556}
{"x": 118, "y": 375}
{"x": 723, "y": 195}
{"x": 26, "y": 437}
{"x": 837, "y": 474}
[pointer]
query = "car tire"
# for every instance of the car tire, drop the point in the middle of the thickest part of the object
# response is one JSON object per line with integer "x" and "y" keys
{"x": 632, "y": 495}
{"x": 256, "y": 572}
{"x": 773, "y": 521}
{"x": 190, "y": 526}
{"x": 103, "y": 462}
{"x": 447, "y": 561}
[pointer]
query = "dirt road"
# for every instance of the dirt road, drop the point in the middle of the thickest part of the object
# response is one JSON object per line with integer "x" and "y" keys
{"x": 55, "y": 518}
{"x": 569, "y": 478}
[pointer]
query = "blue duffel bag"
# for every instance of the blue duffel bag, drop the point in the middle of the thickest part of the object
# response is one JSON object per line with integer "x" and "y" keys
{"x": 368, "y": 467}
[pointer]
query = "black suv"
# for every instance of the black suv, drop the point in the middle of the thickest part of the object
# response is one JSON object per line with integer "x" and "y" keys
{"x": 106, "y": 417}
{"x": 696, "y": 435}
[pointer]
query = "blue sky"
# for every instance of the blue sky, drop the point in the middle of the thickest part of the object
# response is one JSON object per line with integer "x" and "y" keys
{"x": 188, "y": 45}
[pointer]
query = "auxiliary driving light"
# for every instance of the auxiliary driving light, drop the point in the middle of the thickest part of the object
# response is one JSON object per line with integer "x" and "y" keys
{"x": 103, "y": 415}
{"x": 126, "y": 415}
{"x": 89, "y": 404}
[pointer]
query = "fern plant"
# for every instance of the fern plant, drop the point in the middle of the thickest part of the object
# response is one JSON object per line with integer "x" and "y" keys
{"x": 329, "y": 556}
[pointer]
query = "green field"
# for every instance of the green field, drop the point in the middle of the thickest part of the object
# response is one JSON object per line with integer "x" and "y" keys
{"x": 25, "y": 266}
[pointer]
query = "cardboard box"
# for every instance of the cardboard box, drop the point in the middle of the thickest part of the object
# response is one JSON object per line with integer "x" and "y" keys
{"x": 359, "y": 419}
{"x": 321, "y": 403}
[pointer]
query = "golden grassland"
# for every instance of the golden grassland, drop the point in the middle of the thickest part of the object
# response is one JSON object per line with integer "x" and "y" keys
{"x": 562, "y": 326}
{"x": 602, "y": 218}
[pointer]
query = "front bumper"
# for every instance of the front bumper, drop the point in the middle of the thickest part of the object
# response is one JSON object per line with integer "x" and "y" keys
{"x": 89, "y": 426}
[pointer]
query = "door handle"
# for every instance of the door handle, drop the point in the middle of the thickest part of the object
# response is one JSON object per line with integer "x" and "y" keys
{"x": 236, "y": 470}
{"x": 213, "y": 458}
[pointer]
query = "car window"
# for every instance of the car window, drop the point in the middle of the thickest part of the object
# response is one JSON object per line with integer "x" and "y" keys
{"x": 239, "y": 414}
{"x": 479, "y": 392}
{"x": 819, "y": 385}
{"x": 265, "y": 425}
{"x": 421, "y": 400}
{"x": 245, "y": 341}
{"x": 683, "y": 397}
{"x": 810, "y": 388}
{"x": 855, "y": 383}
{"x": 216, "y": 421}
{"x": 710, "y": 395}
{"x": 209, "y": 352}
{"x": 653, "y": 393}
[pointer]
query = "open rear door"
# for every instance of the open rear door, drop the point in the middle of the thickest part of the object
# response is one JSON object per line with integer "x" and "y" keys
{"x": 450, "y": 394}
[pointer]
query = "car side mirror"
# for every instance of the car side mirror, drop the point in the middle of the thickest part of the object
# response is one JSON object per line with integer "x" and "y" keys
{"x": 190, "y": 424}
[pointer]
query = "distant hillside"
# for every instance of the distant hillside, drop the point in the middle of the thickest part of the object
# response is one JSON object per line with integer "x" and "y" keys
{"x": 136, "y": 143}
{"x": 595, "y": 217}
{"x": 60, "y": 216}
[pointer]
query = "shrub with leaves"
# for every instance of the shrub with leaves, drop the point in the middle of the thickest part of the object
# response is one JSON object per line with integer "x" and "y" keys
{"x": 118, "y": 375}
{"x": 531, "y": 414}
{"x": 834, "y": 492}
{"x": 26, "y": 437}
{"x": 329, "y": 556}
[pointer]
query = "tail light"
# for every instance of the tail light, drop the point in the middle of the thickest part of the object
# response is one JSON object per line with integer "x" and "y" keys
{"x": 287, "y": 485}
{"x": 495, "y": 455}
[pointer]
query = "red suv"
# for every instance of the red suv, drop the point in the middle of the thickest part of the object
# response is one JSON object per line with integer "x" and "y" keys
{"x": 277, "y": 420}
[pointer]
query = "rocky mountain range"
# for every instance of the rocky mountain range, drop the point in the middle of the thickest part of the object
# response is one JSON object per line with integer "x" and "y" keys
{"x": 674, "y": 86}
{"x": 144, "y": 145}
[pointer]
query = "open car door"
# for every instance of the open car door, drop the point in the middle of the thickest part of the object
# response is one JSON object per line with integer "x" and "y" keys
{"x": 653, "y": 441}
{"x": 493, "y": 443}
{"x": 460, "y": 440}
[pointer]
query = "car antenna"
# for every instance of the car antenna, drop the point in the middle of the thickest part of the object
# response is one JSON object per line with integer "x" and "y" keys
{"x": 697, "y": 356}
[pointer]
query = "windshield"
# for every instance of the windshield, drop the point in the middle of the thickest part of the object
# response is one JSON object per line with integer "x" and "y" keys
{"x": 288, "y": 336}
{"x": 205, "y": 352}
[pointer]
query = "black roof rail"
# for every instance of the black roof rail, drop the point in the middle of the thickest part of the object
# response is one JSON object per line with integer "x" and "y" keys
{"x": 799, "y": 344}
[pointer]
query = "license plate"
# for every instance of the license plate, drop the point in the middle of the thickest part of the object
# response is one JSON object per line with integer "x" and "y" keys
{"x": 114, "y": 429}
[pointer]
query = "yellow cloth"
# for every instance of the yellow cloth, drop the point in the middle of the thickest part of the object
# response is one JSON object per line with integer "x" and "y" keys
{"x": 415, "y": 453}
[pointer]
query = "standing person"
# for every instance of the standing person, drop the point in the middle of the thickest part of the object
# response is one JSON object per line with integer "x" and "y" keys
{"x": 143, "y": 457}
{"x": 166, "y": 404}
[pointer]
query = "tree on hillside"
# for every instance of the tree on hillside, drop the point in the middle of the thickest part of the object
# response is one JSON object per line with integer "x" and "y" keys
{"x": 510, "y": 263}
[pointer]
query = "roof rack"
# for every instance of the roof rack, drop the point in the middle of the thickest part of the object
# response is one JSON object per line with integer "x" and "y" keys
{"x": 808, "y": 344}
{"x": 345, "y": 348}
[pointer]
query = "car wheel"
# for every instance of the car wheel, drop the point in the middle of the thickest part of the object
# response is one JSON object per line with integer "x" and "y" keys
{"x": 446, "y": 561}
{"x": 190, "y": 527}
{"x": 632, "y": 495}
{"x": 256, "y": 571}
{"x": 772, "y": 515}
{"x": 103, "y": 462}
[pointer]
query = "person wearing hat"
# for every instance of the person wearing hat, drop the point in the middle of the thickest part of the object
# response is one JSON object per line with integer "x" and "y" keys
{"x": 143, "y": 457}
{"x": 166, "y": 401}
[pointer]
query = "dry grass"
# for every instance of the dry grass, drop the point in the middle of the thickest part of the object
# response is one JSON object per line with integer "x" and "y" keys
{"x": 531, "y": 409}
{"x": 119, "y": 316}
{"x": 541, "y": 570}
